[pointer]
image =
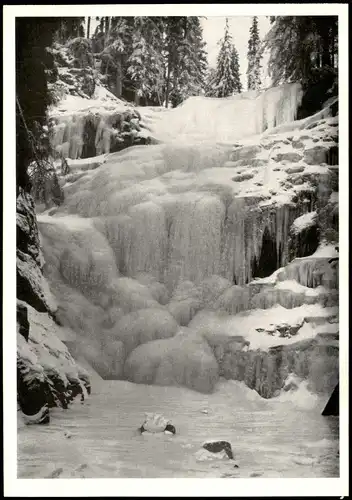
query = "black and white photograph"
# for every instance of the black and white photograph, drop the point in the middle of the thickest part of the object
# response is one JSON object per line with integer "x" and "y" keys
{"x": 175, "y": 243}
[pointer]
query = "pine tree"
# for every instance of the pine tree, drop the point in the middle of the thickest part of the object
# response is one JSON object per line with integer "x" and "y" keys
{"x": 70, "y": 27}
{"x": 151, "y": 59}
{"x": 173, "y": 40}
{"x": 113, "y": 46}
{"x": 227, "y": 79}
{"x": 299, "y": 45}
{"x": 145, "y": 64}
{"x": 209, "y": 82}
{"x": 34, "y": 68}
{"x": 254, "y": 56}
{"x": 190, "y": 72}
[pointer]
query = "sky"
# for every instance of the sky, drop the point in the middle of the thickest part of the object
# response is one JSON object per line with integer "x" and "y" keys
{"x": 213, "y": 31}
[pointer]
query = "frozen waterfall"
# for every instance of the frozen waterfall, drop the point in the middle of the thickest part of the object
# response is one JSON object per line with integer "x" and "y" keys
{"x": 92, "y": 127}
{"x": 157, "y": 234}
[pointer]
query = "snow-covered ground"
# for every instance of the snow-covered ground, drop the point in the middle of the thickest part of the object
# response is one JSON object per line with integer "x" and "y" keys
{"x": 282, "y": 437}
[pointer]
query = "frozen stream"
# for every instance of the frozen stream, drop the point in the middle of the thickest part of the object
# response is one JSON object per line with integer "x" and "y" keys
{"x": 269, "y": 438}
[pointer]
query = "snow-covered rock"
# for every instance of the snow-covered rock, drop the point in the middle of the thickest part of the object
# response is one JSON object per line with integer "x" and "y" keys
{"x": 47, "y": 374}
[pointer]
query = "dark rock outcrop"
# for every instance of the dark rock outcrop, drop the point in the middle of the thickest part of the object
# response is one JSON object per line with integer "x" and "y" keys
{"x": 218, "y": 447}
{"x": 332, "y": 407}
{"x": 29, "y": 257}
{"x": 22, "y": 320}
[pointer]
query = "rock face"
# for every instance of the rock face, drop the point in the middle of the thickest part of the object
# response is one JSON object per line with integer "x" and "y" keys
{"x": 31, "y": 285}
{"x": 47, "y": 375}
{"x": 316, "y": 360}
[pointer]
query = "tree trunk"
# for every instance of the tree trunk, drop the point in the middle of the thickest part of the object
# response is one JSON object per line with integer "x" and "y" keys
{"x": 168, "y": 83}
{"x": 107, "y": 25}
{"x": 88, "y": 27}
{"x": 168, "y": 78}
{"x": 118, "y": 83}
{"x": 136, "y": 98}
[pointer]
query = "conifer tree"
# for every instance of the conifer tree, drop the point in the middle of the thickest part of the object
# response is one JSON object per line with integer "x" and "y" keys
{"x": 145, "y": 64}
{"x": 34, "y": 69}
{"x": 227, "y": 78}
{"x": 300, "y": 45}
{"x": 113, "y": 45}
{"x": 254, "y": 56}
{"x": 209, "y": 82}
{"x": 190, "y": 71}
{"x": 70, "y": 27}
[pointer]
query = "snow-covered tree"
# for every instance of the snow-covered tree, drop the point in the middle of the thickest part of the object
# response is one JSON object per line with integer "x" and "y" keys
{"x": 190, "y": 72}
{"x": 152, "y": 59}
{"x": 300, "y": 45}
{"x": 209, "y": 82}
{"x": 254, "y": 56}
{"x": 69, "y": 27}
{"x": 113, "y": 46}
{"x": 227, "y": 78}
{"x": 145, "y": 64}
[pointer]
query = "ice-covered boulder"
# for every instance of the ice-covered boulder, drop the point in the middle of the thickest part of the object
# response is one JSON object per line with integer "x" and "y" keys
{"x": 143, "y": 326}
{"x": 185, "y": 360}
{"x": 155, "y": 423}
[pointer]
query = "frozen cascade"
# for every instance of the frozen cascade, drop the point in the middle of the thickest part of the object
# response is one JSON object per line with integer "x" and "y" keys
{"x": 158, "y": 234}
{"x": 103, "y": 123}
{"x": 218, "y": 118}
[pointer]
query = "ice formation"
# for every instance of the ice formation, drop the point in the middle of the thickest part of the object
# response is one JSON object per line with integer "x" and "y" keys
{"x": 230, "y": 118}
{"x": 155, "y": 249}
{"x": 93, "y": 124}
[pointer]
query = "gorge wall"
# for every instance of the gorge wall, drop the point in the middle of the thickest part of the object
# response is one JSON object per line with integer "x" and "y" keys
{"x": 47, "y": 375}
